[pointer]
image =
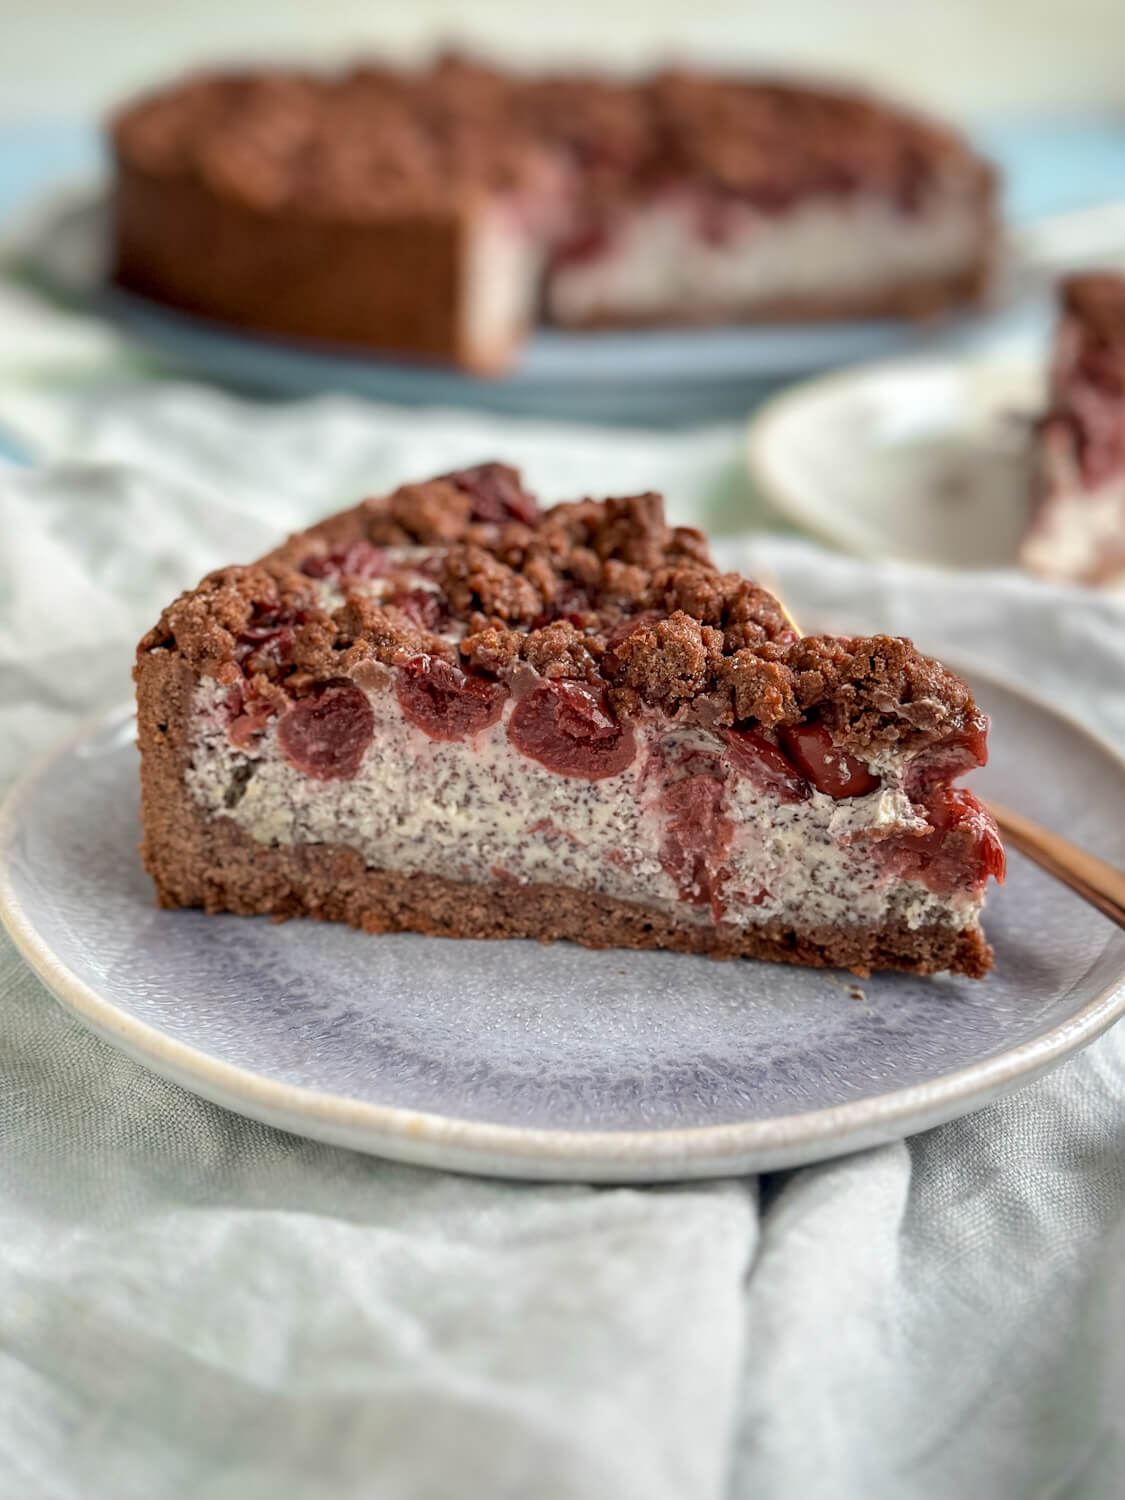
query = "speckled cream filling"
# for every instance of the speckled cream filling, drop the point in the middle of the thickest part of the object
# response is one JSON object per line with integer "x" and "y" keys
{"x": 658, "y": 262}
{"x": 479, "y": 811}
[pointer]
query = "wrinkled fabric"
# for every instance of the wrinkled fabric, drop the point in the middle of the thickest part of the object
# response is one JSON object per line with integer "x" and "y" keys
{"x": 194, "y": 1305}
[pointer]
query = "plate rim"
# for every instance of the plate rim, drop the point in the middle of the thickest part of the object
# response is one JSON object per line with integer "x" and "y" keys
{"x": 536, "y": 1152}
{"x": 761, "y": 427}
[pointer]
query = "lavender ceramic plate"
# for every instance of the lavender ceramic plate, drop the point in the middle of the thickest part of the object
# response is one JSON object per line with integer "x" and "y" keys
{"x": 526, "y": 1061}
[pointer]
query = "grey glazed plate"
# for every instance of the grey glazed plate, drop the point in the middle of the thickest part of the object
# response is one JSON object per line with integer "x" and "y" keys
{"x": 536, "y": 1062}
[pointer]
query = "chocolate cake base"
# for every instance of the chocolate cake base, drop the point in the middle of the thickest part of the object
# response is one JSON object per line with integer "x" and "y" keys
{"x": 179, "y": 244}
{"x": 332, "y": 884}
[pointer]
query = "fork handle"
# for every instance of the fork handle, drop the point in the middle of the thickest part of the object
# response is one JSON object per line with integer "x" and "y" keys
{"x": 1095, "y": 881}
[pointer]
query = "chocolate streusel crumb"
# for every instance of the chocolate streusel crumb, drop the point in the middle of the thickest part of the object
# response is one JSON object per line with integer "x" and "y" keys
{"x": 602, "y": 592}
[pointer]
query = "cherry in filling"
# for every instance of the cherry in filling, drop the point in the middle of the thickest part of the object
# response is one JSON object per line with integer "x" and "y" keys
{"x": 756, "y": 758}
{"x": 424, "y": 607}
{"x": 963, "y": 847}
{"x": 946, "y": 761}
{"x": 805, "y": 758}
{"x": 327, "y": 734}
{"x": 358, "y": 559}
{"x": 496, "y": 493}
{"x": 812, "y": 751}
{"x": 590, "y": 243}
{"x": 567, "y": 727}
{"x": 445, "y": 702}
{"x": 266, "y": 641}
{"x": 962, "y": 850}
{"x": 571, "y": 602}
{"x": 249, "y": 716}
{"x": 697, "y": 836}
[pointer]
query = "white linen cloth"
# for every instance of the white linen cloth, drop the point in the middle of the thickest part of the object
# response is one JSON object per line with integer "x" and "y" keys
{"x": 193, "y": 1305}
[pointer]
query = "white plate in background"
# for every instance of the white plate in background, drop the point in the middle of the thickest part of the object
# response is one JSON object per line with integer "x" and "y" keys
{"x": 919, "y": 460}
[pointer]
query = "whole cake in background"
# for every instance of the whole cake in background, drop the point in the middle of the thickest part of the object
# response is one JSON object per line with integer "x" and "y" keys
{"x": 440, "y": 214}
{"x": 451, "y": 712}
{"x": 1077, "y": 531}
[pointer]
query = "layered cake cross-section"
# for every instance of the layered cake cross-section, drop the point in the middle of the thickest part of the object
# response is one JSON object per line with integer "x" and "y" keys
{"x": 440, "y": 213}
{"x": 1077, "y": 530}
{"x": 451, "y": 712}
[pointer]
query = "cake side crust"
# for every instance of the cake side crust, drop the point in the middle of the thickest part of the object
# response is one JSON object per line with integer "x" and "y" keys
{"x": 180, "y": 243}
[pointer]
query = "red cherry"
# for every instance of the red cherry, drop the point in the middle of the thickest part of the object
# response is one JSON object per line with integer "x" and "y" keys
{"x": 326, "y": 735}
{"x": 570, "y": 603}
{"x": 944, "y": 762}
{"x": 761, "y": 762}
{"x": 811, "y": 749}
{"x": 590, "y": 244}
{"x": 696, "y": 839}
{"x": 718, "y": 220}
{"x": 954, "y": 810}
{"x": 444, "y": 702}
{"x": 496, "y": 493}
{"x": 248, "y": 717}
{"x": 964, "y": 848}
{"x": 265, "y": 643}
{"x": 568, "y": 728}
{"x": 358, "y": 559}
{"x": 425, "y": 607}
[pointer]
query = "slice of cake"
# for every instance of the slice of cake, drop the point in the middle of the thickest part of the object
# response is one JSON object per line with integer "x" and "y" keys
{"x": 450, "y": 712}
{"x": 1077, "y": 533}
{"x": 440, "y": 213}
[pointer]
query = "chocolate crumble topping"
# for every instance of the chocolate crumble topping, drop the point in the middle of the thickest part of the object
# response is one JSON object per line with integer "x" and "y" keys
{"x": 601, "y": 592}
{"x": 375, "y": 140}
